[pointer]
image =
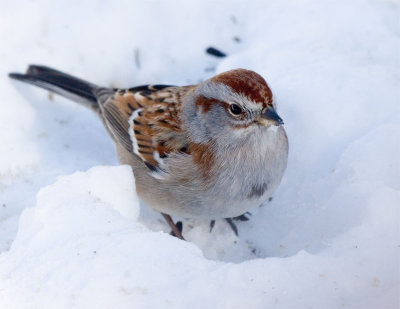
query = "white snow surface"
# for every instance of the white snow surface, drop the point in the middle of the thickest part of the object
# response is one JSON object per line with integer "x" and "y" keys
{"x": 72, "y": 232}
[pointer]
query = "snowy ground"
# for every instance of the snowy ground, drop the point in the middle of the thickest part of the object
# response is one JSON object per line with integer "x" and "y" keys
{"x": 329, "y": 238}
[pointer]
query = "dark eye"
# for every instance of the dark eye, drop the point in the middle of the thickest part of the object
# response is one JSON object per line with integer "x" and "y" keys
{"x": 235, "y": 109}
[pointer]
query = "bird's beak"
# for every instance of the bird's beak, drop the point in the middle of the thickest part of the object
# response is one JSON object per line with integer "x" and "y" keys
{"x": 270, "y": 117}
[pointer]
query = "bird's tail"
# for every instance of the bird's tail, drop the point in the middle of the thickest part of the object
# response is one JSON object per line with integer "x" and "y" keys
{"x": 60, "y": 83}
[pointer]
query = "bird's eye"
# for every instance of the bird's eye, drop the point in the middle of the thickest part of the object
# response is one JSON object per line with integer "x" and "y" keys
{"x": 235, "y": 109}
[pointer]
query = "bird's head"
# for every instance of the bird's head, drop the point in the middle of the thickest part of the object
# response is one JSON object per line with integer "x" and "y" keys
{"x": 230, "y": 105}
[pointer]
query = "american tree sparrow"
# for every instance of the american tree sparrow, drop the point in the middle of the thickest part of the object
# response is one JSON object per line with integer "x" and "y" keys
{"x": 212, "y": 150}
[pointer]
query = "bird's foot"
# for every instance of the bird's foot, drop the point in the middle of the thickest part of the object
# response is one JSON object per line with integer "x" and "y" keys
{"x": 232, "y": 225}
{"x": 176, "y": 229}
{"x": 244, "y": 217}
{"x": 212, "y": 223}
{"x": 179, "y": 225}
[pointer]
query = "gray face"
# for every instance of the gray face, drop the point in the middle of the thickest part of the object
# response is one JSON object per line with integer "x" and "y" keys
{"x": 214, "y": 111}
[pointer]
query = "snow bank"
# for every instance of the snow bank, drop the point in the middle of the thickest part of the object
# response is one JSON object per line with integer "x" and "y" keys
{"x": 328, "y": 239}
{"x": 81, "y": 246}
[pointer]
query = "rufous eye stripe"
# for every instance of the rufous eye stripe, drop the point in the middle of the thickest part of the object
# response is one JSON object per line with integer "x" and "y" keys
{"x": 205, "y": 104}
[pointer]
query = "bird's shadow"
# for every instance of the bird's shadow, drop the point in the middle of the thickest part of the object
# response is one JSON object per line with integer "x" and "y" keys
{"x": 290, "y": 223}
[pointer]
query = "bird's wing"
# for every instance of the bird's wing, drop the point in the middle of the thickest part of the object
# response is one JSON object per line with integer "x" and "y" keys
{"x": 145, "y": 120}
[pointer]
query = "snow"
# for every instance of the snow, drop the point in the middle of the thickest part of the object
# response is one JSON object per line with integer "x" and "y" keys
{"x": 72, "y": 233}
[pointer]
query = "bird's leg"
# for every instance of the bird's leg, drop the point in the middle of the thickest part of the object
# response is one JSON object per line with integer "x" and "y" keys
{"x": 232, "y": 225}
{"x": 212, "y": 223}
{"x": 179, "y": 225}
{"x": 243, "y": 217}
{"x": 176, "y": 230}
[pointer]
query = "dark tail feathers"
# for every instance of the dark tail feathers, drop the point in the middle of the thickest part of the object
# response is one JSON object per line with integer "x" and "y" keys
{"x": 58, "y": 82}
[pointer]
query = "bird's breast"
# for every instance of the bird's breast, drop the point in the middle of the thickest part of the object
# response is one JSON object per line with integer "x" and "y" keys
{"x": 248, "y": 175}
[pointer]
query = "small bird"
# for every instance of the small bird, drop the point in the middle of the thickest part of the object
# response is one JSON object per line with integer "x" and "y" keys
{"x": 212, "y": 150}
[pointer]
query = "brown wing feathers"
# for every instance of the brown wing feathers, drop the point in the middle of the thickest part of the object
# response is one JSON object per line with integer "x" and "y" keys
{"x": 146, "y": 122}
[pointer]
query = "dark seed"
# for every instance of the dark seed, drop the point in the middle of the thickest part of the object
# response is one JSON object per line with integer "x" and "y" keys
{"x": 215, "y": 52}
